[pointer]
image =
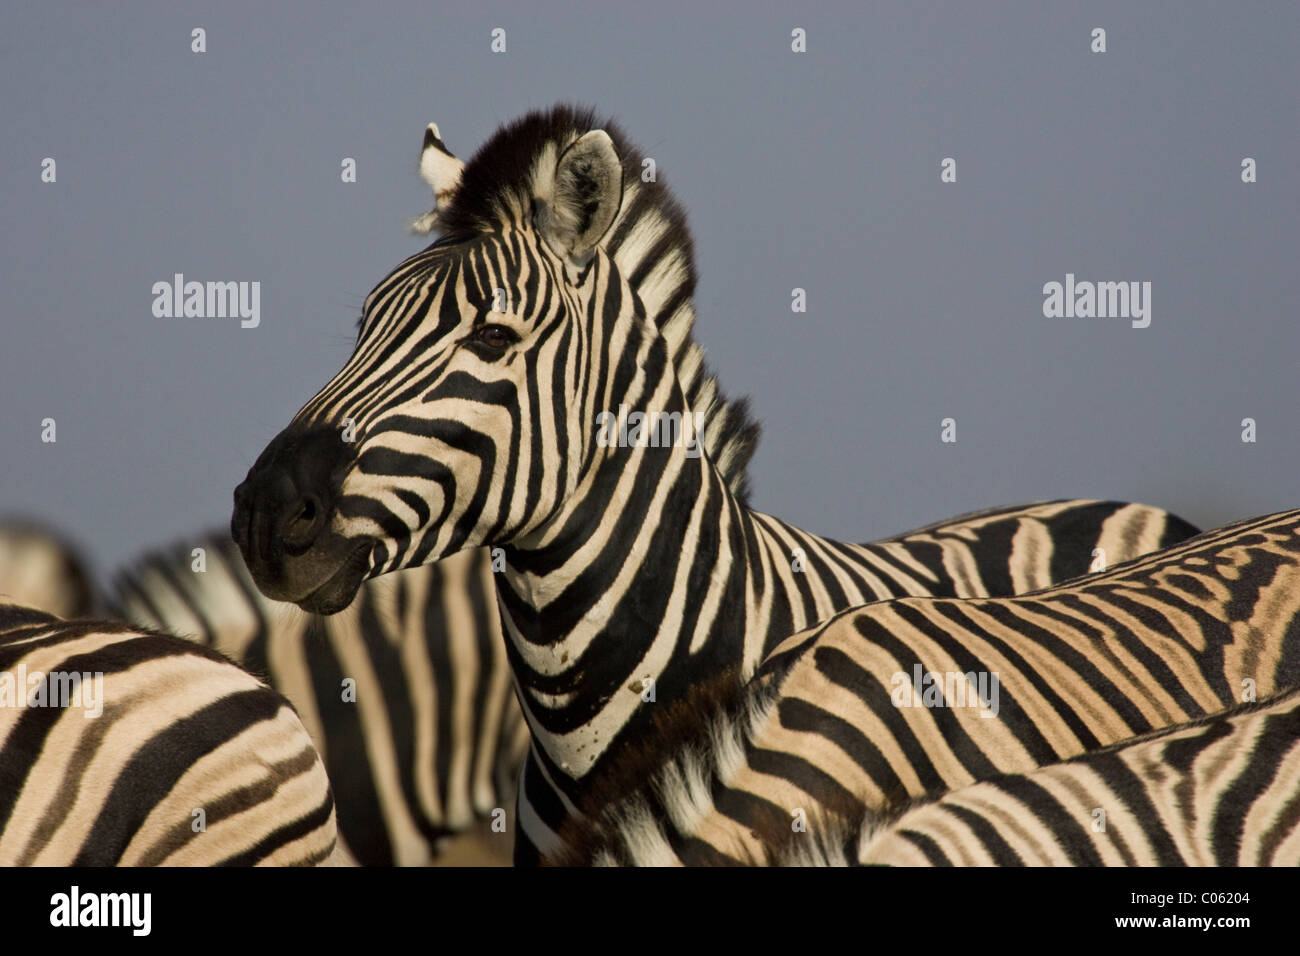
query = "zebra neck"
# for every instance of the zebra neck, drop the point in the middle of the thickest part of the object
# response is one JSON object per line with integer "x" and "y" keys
{"x": 633, "y": 599}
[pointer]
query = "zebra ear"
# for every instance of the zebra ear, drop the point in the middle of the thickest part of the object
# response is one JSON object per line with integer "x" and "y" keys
{"x": 585, "y": 197}
{"x": 441, "y": 171}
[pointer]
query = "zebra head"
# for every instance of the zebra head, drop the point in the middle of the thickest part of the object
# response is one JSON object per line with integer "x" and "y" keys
{"x": 465, "y": 414}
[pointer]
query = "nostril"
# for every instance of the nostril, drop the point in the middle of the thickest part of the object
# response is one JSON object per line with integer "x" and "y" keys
{"x": 302, "y": 524}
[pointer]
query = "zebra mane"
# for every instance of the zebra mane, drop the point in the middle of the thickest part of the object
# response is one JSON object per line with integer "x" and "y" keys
{"x": 649, "y": 242}
{"x": 696, "y": 745}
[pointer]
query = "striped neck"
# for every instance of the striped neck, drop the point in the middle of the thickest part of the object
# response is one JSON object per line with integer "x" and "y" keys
{"x": 655, "y": 572}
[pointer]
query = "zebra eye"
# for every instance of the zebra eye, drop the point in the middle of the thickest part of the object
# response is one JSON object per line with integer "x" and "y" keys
{"x": 496, "y": 337}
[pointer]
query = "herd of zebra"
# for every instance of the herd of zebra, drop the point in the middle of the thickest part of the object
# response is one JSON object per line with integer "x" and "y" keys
{"x": 447, "y": 604}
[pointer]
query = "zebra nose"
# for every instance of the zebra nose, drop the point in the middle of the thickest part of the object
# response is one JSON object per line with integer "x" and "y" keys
{"x": 301, "y": 522}
{"x": 283, "y": 507}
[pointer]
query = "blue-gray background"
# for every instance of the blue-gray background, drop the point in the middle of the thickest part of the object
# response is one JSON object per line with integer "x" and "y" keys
{"x": 818, "y": 170}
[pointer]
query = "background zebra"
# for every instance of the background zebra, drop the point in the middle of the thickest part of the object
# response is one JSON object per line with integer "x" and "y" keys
{"x": 423, "y": 743}
{"x": 430, "y": 740}
{"x": 123, "y": 747}
{"x": 470, "y": 414}
{"x": 41, "y": 570}
{"x": 843, "y": 718}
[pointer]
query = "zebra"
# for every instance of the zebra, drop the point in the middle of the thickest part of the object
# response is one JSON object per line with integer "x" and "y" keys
{"x": 120, "y": 746}
{"x": 406, "y": 694}
{"x": 878, "y": 706}
{"x": 39, "y": 569}
{"x": 476, "y": 411}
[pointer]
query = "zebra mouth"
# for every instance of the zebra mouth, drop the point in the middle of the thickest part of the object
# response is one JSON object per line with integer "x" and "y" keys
{"x": 341, "y": 587}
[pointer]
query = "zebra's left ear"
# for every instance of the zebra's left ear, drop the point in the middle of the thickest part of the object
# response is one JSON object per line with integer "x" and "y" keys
{"x": 441, "y": 171}
{"x": 584, "y": 198}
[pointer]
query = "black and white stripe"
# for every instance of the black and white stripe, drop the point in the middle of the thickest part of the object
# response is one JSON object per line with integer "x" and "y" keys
{"x": 1220, "y": 791}
{"x": 560, "y": 289}
{"x": 188, "y": 761}
{"x": 431, "y": 741}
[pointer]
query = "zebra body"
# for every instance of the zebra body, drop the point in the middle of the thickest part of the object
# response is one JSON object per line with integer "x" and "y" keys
{"x": 424, "y": 742}
{"x": 158, "y": 752}
{"x": 561, "y": 291}
{"x": 832, "y": 723}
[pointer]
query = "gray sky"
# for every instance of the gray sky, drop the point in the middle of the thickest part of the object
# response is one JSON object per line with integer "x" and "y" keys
{"x": 818, "y": 170}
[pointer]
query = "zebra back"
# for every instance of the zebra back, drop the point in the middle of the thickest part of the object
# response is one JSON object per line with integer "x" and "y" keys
{"x": 407, "y": 692}
{"x": 125, "y": 747}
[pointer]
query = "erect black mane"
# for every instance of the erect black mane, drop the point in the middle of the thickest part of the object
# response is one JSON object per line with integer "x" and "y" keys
{"x": 500, "y": 170}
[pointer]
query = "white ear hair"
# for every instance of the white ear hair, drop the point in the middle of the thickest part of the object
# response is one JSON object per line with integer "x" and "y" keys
{"x": 441, "y": 170}
{"x": 585, "y": 196}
